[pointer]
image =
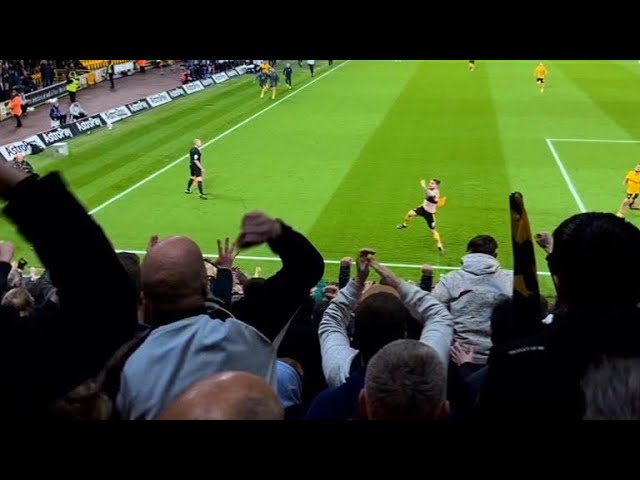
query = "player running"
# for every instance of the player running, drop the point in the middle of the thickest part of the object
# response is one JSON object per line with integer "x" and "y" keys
{"x": 632, "y": 182}
{"x": 427, "y": 210}
{"x": 541, "y": 75}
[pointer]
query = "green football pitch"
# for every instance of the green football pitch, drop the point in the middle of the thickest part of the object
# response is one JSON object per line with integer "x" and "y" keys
{"x": 340, "y": 157}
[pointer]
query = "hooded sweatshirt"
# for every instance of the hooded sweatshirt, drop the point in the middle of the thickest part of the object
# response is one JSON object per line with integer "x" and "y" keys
{"x": 470, "y": 294}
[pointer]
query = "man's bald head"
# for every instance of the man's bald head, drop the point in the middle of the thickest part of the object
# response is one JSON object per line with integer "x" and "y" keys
{"x": 174, "y": 278}
{"x": 227, "y": 396}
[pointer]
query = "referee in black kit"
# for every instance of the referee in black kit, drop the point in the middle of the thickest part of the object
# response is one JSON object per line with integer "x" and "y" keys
{"x": 195, "y": 165}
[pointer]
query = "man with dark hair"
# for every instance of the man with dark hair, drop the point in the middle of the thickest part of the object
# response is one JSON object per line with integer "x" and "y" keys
{"x": 20, "y": 299}
{"x": 538, "y": 377}
{"x": 379, "y": 319}
{"x": 405, "y": 380}
{"x": 483, "y": 244}
{"x": 381, "y": 315}
{"x": 227, "y": 396}
{"x": 612, "y": 390}
{"x": 472, "y": 292}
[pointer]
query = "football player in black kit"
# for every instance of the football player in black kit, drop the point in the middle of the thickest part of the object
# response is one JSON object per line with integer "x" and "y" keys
{"x": 195, "y": 165}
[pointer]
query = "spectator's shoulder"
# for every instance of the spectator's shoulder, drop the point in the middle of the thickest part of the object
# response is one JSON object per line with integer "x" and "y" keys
{"x": 531, "y": 349}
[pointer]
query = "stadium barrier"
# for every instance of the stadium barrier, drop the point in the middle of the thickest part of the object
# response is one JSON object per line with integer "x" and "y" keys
{"x": 86, "y": 125}
{"x": 4, "y": 110}
{"x": 10, "y": 150}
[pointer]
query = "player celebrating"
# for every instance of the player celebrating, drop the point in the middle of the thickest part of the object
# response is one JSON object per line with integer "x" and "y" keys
{"x": 541, "y": 74}
{"x": 632, "y": 182}
{"x": 428, "y": 209}
{"x": 195, "y": 165}
{"x": 265, "y": 67}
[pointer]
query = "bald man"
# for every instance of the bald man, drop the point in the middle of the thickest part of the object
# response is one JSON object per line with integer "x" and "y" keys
{"x": 227, "y": 396}
{"x": 187, "y": 345}
{"x": 196, "y": 168}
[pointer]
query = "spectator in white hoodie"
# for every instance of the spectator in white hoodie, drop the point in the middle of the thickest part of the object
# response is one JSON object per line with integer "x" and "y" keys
{"x": 76, "y": 111}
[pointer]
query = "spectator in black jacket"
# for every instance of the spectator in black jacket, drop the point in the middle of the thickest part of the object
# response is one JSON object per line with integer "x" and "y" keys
{"x": 44, "y": 358}
{"x": 538, "y": 377}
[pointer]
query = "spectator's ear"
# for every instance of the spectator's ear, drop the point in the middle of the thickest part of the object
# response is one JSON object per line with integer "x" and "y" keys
{"x": 362, "y": 404}
{"x": 444, "y": 411}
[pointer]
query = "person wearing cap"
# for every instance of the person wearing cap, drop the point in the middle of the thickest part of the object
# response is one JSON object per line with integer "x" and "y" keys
{"x": 380, "y": 316}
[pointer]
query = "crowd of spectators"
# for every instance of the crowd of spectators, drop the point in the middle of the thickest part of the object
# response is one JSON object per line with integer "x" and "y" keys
{"x": 174, "y": 335}
{"x": 26, "y": 76}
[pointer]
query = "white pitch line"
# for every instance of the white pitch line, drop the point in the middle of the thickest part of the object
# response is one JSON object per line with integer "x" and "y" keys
{"x": 590, "y": 140}
{"x": 567, "y": 179}
{"x": 223, "y": 134}
{"x": 330, "y": 262}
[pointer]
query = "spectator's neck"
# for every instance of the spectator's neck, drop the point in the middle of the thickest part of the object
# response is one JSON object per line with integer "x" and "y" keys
{"x": 165, "y": 317}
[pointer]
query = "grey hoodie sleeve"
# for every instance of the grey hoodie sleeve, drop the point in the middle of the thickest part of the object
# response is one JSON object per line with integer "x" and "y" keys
{"x": 437, "y": 331}
{"x": 335, "y": 347}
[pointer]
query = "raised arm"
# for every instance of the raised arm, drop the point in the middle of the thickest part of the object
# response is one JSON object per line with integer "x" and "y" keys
{"x": 335, "y": 346}
{"x": 95, "y": 317}
{"x": 282, "y": 293}
{"x": 437, "y": 323}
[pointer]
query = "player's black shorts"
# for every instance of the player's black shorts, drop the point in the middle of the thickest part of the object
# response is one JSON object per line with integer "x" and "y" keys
{"x": 632, "y": 196}
{"x": 540, "y": 80}
{"x": 195, "y": 171}
{"x": 429, "y": 217}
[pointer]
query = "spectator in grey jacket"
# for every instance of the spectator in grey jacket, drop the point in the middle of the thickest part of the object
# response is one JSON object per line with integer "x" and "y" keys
{"x": 337, "y": 352}
{"x": 472, "y": 292}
